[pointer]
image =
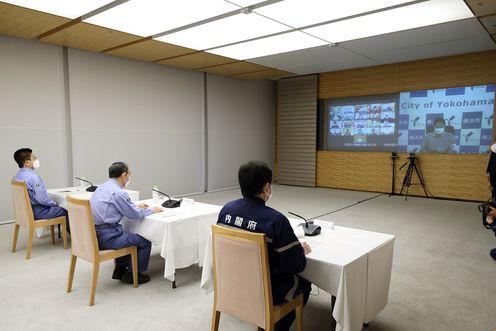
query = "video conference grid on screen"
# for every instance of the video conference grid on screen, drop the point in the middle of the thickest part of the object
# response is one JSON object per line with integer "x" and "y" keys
{"x": 451, "y": 120}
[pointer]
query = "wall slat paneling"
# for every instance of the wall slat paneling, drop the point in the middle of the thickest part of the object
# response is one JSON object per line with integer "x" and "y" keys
{"x": 296, "y": 130}
{"x": 446, "y": 175}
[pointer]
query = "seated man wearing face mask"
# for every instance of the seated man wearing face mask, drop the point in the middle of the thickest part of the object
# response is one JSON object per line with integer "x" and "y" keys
{"x": 43, "y": 206}
{"x": 109, "y": 204}
{"x": 438, "y": 141}
{"x": 286, "y": 253}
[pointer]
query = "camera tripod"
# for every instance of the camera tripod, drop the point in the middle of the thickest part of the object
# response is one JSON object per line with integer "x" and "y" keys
{"x": 407, "y": 181}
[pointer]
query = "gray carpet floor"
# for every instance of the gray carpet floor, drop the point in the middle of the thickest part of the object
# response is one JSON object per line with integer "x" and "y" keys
{"x": 443, "y": 277}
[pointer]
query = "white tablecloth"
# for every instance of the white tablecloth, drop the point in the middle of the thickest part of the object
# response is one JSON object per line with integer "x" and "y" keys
{"x": 351, "y": 264}
{"x": 181, "y": 232}
{"x": 59, "y": 195}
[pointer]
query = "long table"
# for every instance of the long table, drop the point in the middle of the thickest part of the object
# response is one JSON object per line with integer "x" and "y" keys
{"x": 352, "y": 265}
{"x": 180, "y": 232}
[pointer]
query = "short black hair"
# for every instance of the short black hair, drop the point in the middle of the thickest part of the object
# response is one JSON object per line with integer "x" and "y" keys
{"x": 439, "y": 120}
{"x": 22, "y": 155}
{"x": 117, "y": 169}
{"x": 252, "y": 177}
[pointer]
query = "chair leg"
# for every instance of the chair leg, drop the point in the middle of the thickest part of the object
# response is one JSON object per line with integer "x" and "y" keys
{"x": 52, "y": 231}
{"x": 64, "y": 234}
{"x": 134, "y": 264}
{"x": 299, "y": 317}
{"x": 96, "y": 268}
{"x": 72, "y": 268}
{"x": 16, "y": 234}
{"x": 215, "y": 320}
{"x": 30, "y": 243}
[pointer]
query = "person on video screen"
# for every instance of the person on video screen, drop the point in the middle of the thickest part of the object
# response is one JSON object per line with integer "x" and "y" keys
{"x": 439, "y": 141}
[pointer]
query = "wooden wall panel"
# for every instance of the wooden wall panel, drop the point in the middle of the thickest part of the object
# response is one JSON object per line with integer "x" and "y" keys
{"x": 452, "y": 71}
{"x": 357, "y": 82}
{"x": 296, "y": 130}
{"x": 367, "y": 171}
{"x": 446, "y": 175}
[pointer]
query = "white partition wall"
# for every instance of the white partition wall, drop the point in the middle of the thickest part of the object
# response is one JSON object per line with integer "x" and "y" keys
{"x": 184, "y": 131}
{"x": 240, "y": 127}
{"x": 145, "y": 114}
{"x": 31, "y": 113}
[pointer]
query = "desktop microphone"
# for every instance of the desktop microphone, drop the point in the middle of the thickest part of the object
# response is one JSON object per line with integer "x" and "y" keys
{"x": 92, "y": 188}
{"x": 309, "y": 228}
{"x": 169, "y": 203}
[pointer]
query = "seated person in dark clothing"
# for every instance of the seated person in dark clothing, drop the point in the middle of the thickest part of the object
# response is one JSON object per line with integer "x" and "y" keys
{"x": 286, "y": 253}
{"x": 492, "y": 224}
{"x": 491, "y": 171}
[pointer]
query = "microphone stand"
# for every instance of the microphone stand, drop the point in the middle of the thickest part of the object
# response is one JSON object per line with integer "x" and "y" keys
{"x": 92, "y": 188}
{"x": 170, "y": 203}
{"x": 309, "y": 228}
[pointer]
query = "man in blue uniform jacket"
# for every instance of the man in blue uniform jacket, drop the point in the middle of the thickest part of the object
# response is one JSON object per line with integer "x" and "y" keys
{"x": 109, "y": 204}
{"x": 43, "y": 207}
{"x": 286, "y": 253}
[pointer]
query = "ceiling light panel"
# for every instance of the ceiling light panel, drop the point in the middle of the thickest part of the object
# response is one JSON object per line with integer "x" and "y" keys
{"x": 404, "y": 18}
{"x": 66, "y": 8}
{"x": 300, "y": 13}
{"x": 225, "y": 31}
{"x": 245, "y": 3}
{"x": 282, "y": 43}
{"x": 149, "y": 17}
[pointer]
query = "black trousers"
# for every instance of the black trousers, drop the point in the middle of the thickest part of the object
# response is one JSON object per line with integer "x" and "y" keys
{"x": 304, "y": 287}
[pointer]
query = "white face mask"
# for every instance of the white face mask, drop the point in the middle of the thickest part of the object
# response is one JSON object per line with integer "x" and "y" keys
{"x": 493, "y": 148}
{"x": 36, "y": 164}
{"x": 128, "y": 181}
{"x": 271, "y": 192}
{"x": 439, "y": 130}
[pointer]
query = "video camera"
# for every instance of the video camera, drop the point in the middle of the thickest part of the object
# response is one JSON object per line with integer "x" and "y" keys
{"x": 485, "y": 208}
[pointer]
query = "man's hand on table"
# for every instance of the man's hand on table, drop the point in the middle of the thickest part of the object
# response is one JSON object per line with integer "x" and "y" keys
{"x": 306, "y": 248}
{"x": 155, "y": 209}
{"x": 143, "y": 205}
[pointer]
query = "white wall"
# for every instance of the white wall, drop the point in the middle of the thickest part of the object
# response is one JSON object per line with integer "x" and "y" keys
{"x": 31, "y": 112}
{"x": 148, "y": 115}
{"x": 240, "y": 127}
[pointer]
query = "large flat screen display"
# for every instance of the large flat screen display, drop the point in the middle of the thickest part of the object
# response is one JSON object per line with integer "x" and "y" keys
{"x": 449, "y": 120}
{"x": 362, "y": 124}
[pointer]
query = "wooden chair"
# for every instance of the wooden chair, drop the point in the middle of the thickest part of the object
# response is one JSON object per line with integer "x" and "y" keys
{"x": 85, "y": 244}
{"x": 24, "y": 217}
{"x": 242, "y": 286}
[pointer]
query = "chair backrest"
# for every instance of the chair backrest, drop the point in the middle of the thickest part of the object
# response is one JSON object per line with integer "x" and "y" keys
{"x": 83, "y": 235}
{"x": 242, "y": 285}
{"x": 22, "y": 205}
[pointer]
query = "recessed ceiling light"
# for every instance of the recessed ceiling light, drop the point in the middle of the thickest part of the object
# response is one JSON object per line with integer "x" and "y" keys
{"x": 66, "y": 8}
{"x": 149, "y": 17}
{"x": 399, "y": 19}
{"x": 281, "y": 43}
{"x": 224, "y": 31}
{"x": 300, "y": 13}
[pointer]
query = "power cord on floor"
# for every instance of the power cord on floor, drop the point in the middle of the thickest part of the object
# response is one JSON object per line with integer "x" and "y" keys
{"x": 354, "y": 204}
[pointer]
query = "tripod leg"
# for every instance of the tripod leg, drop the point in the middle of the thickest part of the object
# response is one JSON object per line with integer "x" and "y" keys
{"x": 408, "y": 179}
{"x": 421, "y": 180}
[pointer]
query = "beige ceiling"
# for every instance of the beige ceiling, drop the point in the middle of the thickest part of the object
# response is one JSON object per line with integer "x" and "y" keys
{"x": 31, "y": 24}
{"x": 439, "y": 40}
